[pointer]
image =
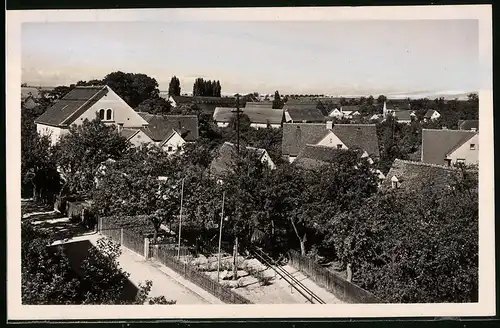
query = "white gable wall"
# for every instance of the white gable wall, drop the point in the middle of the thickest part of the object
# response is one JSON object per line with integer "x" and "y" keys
{"x": 172, "y": 144}
{"x": 53, "y": 132}
{"x": 122, "y": 112}
{"x": 335, "y": 113}
{"x": 471, "y": 156}
{"x": 140, "y": 138}
{"x": 267, "y": 159}
{"x": 331, "y": 140}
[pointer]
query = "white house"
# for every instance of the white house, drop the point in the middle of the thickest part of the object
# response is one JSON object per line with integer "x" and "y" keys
{"x": 431, "y": 115}
{"x": 335, "y": 113}
{"x": 170, "y": 132}
{"x": 449, "y": 147}
{"x": 85, "y": 103}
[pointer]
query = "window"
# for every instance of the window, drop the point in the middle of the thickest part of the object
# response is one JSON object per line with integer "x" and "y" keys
{"x": 169, "y": 148}
{"x": 395, "y": 184}
{"x": 179, "y": 148}
{"x": 339, "y": 146}
{"x": 101, "y": 114}
{"x": 448, "y": 162}
{"x": 460, "y": 161}
{"x": 108, "y": 114}
{"x": 472, "y": 146}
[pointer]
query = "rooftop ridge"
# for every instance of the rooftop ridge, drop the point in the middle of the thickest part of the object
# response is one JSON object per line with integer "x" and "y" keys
{"x": 463, "y": 131}
{"x": 425, "y": 164}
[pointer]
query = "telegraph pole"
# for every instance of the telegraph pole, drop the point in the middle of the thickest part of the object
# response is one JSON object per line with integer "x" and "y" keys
{"x": 237, "y": 111}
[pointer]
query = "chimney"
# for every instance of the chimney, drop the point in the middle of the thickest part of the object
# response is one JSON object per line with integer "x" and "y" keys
{"x": 329, "y": 125}
{"x": 120, "y": 127}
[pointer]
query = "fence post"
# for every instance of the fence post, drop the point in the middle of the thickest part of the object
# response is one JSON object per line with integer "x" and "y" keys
{"x": 146, "y": 248}
{"x": 121, "y": 236}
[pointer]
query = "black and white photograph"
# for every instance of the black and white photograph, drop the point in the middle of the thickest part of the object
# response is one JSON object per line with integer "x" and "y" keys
{"x": 302, "y": 162}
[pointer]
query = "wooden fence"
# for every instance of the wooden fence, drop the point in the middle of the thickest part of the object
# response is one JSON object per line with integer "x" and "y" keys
{"x": 341, "y": 288}
{"x": 191, "y": 273}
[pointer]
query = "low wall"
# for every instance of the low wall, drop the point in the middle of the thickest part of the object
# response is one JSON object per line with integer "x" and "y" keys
{"x": 344, "y": 290}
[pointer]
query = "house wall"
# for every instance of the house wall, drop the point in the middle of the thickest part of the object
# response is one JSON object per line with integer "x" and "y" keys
{"x": 54, "y": 132}
{"x": 291, "y": 158}
{"x": 267, "y": 159}
{"x": 222, "y": 124}
{"x": 264, "y": 125}
{"x": 435, "y": 116}
{"x": 288, "y": 118}
{"x": 174, "y": 142}
{"x": 464, "y": 152}
{"x": 140, "y": 138}
{"x": 335, "y": 113}
{"x": 331, "y": 140}
{"x": 122, "y": 112}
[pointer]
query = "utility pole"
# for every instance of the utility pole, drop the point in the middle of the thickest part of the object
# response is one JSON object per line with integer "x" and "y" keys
{"x": 220, "y": 234}
{"x": 237, "y": 111}
{"x": 180, "y": 221}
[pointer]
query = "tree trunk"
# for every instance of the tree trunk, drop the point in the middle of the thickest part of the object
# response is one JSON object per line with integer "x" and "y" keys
{"x": 155, "y": 235}
{"x": 34, "y": 192}
{"x": 235, "y": 257}
{"x": 302, "y": 247}
{"x": 349, "y": 272}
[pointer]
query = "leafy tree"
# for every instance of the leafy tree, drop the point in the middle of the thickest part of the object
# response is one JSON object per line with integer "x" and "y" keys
{"x": 158, "y": 106}
{"x": 80, "y": 152}
{"x": 133, "y": 88}
{"x": 381, "y": 99}
{"x": 174, "y": 88}
{"x": 277, "y": 102}
{"x": 47, "y": 276}
{"x": 206, "y": 88}
{"x": 370, "y": 100}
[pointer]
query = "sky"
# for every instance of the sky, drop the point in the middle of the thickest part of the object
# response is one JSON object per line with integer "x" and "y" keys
{"x": 295, "y": 57}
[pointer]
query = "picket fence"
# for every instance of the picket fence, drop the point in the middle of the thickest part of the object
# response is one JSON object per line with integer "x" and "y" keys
{"x": 167, "y": 255}
{"x": 344, "y": 290}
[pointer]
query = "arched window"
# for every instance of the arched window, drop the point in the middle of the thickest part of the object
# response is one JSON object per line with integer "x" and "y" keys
{"x": 101, "y": 114}
{"x": 108, "y": 114}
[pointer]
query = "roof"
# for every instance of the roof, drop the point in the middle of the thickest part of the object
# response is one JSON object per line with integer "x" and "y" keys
{"x": 350, "y": 108}
{"x": 305, "y": 113}
{"x": 182, "y": 99}
{"x": 297, "y": 135}
{"x": 314, "y": 156}
{"x": 230, "y": 101}
{"x": 403, "y": 115}
{"x": 468, "y": 124}
{"x": 128, "y": 133}
{"x": 226, "y": 155}
{"x": 429, "y": 113}
{"x": 161, "y": 126}
{"x": 437, "y": 144}
{"x": 415, "y": 175}
{"x": 264, "y": 104}
{"x": 73, "y": 104}
{"x": 255, "y": 114}
{"x": 363, "y": 136}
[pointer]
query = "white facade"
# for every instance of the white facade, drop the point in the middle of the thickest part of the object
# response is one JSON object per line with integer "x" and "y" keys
{"x": 435, "y": 115}
{"x": 173, "y": 144}
{"x": 331, "y": 140}
{"x": 468, "y": 153}
{"x": 172, "y": 101}
{"x": 121, "y": 112}
{"x": 52, "y": 131}
{"x": 335, "y": 113}
{"x": 264, "y": 125}
{"x": 140, "y": 138}
{"x": 266, "y": 159}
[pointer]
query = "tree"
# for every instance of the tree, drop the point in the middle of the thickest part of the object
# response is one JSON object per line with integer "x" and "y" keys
{"x": 370, "y": 100}
{"x": 157, "y": 106}
{"x": 133, "y": 88}
{"x": 206, "y": 88}
{"x": 381, "y": 99}
{"x": 277, "y": 102}
{"x": 174, "y": 88}
{"x": 47, "y": 276}
{"x": 130, "y": 187}
{"x": 80, "y": 152}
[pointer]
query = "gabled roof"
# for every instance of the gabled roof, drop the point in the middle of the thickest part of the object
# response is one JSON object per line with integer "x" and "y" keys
{"x": 182, "y": 99}
{"x": 263, "y": 104}
{"x": 437, "y": 144}
{"x": 350, "y": 108}
{"x": 255, "y": 114}
{"x": 297, "y": 135}
{"x": 73, "y": 104}
{"x": 363, "y": 136}
{"x": 305, "y": 113}
{"x": 160, "y": 126}
{"x": 430, "y": 112}
{"x": 128, "y": 133}
{"x": 226, "y": 157}
{"x": 416, "y": 175}
{"x": 314, "y": 156}
{"x": 403, "y": 115}
{"x": 468, "y": 124}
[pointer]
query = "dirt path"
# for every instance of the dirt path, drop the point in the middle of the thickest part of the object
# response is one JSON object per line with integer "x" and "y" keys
{"x": 163, "y": 284}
